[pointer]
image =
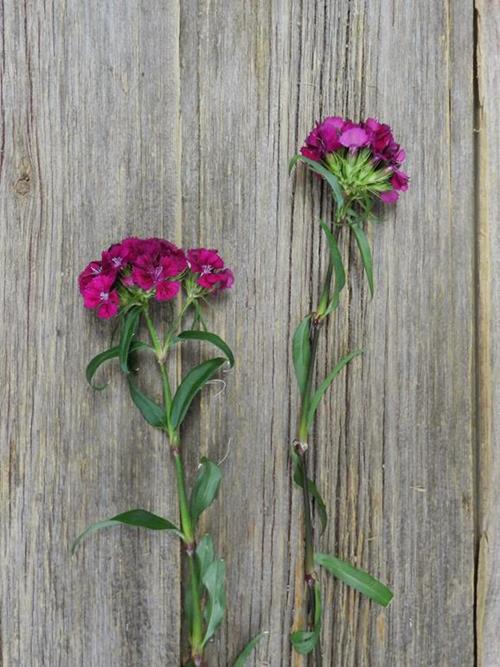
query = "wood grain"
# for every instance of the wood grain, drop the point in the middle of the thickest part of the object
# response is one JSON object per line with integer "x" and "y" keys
{"x": 488, "y": 245}
{"x": 178, "y": 119}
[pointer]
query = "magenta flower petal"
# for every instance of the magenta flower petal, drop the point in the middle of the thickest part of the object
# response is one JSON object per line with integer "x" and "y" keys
{"x": 142, "y": 278}
{"x": 88, "y": 274}
{"x": 109, "y": 306}
{"x": 204, "y": 260}
{"x": 389, "y": 197}
{"x": 173, "y": 265}
{"x": 226, "y": 279}
{"x": 329, "y": 130}
{"x": 166, "y": 290}
{"x": 399, "y": 180}
{"x": 98, "y": 292}
{"x": 312, "y": 153}
{"x": 354, "y": 137}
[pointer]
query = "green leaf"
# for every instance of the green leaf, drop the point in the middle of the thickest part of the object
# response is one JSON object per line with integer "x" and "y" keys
{"x": 205, "y": 554}
{"x": 192, "y": 334}
{"x": 213, "y": 581}
{"x": 138, "y": 517}
{"x": 320, "y": 392}
{"x": 245, "y": 654}
{"x": 365, "y": 252}
{"x": 127, "y": 332}
{"x": 304, "y": 641}
{"x": 205, "y": 488}
{"x": 193, "y": 382}
{"x": 338, "y": 267}
{"x": 151, "y": 411}
{"x": 332, "y": 181}
{"x": 355, "y": 578}
{"x": 111, "y": 353}
{"x": 298, "y": 478}
{"x": 293, "y": 162}
{"x": 301, "y": 353}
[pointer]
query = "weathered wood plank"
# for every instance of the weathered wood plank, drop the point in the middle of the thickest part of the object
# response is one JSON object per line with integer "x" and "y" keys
{"x": 488, "y": 581}
{"x": 90, "y": 111}
{"x": 179, "y": 119}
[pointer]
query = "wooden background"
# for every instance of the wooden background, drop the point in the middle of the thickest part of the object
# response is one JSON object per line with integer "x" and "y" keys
{"x": 178, "y": 119}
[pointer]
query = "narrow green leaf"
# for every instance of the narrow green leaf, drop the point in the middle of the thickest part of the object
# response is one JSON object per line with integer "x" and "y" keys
{"x": 241, "y": 660}
{"x": 355, "y": 578}
{"x": 298, "y": 478}
{"x": 151, "y": 411}
{"x": 137, "y": 517}
{"x": 127, "y": 332}
{"x": 205, "y": 554}
{"x": 205, "y": 488}
{"x": 338, "y": 267}
{"x": 192, "y": 334}
{"x": 213, "y": 581}
{"x": 192, "y": 383}
{"x": 320, "y": 392}
{"x": 332, "y": 181}
{"x": 365, "y": 252}
{"x": 293, "y": 163}
{"x": 304, "y": 641}
{"x": 111, "y": 353}
{"x": 301, "y": 353}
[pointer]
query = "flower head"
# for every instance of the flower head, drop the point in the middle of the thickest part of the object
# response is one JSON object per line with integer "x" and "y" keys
{"x": 99, "y": 295}
{"x": 364, "y": 157}
{"x": 208, "y": 267}
{"x": 137, "y": 270}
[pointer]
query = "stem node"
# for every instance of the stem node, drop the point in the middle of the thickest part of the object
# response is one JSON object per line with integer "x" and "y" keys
{"x": 300, "y": 447}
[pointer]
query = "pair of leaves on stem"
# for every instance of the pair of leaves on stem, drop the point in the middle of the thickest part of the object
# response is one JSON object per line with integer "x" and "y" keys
{"x": 191, "y": 384}
{"x": 210, "y": 583}
{"x": 298, "y": 478}
{"x": 304, "y": 641}
{"x": 354, "y": 220}
{"x": 301, "y": 354}
{"x": 211, "y": 574}
{"x": 204, "y": 493}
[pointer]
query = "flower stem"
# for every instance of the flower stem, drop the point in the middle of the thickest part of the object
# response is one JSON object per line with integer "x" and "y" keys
{"x": 196, "y": 630}
{"x": 309, "y": 567}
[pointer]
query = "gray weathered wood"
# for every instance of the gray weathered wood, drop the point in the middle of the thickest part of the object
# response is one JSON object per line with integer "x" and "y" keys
{"x": 488, "y": 579}
{"x": 178, "y": 119}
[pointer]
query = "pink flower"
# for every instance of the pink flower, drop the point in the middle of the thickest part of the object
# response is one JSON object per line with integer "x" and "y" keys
{"x": 226, "y": 279}
{"x": 115, "y": 258}
{"x": 399, "y": 180}
{"x": 389, "y": 197}
{"x": 98, "y": 295}
{"x": 204, "y": 260}
{"x": 354, "y": 137}
{"x": 324, "y": 138}
{"x": 88, "y": 274}
{"x": 210, "y": 266}
{"x": 153, "y": 272}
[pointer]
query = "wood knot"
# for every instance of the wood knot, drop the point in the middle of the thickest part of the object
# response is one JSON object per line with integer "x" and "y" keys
{"x": 23, "y": 184}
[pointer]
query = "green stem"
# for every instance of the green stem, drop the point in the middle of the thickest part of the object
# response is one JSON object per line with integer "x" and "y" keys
{"x": 160, "y": 357}
{"x": 196, "y": 631}
{"x": 309, "y": 567}
{"x": 176, "y": 324}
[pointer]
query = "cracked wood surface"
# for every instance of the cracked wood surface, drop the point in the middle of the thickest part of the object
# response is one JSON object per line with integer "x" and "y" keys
{"x": 178, "y": 119}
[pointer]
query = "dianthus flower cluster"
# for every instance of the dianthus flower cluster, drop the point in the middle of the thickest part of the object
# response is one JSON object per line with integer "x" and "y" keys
{"x": 364, "y": 156}
{"x": 137, "y": 270}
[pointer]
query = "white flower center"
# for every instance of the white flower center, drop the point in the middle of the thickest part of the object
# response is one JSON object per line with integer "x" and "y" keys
{"x": 104, "y": 296}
